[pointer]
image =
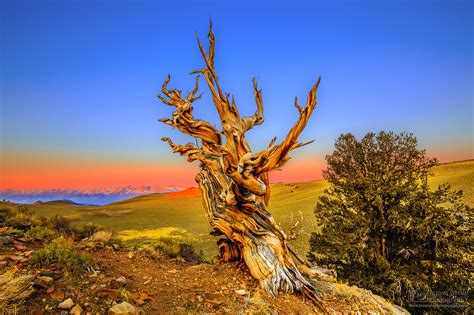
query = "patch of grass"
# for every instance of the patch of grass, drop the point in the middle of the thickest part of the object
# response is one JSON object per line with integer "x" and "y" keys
{"x": 90, "y": 229}
{"x": 14, "y": 289}
{"x": 64, "y": 252}
{"x": 61, "y": 224}
{"x": 174, "y": 248}
{"x": 40, "y": 234}
{"x": 22, "y": 218}
{"x": 169, "y": 231}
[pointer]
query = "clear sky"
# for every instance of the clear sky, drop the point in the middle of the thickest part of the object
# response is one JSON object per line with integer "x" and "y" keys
{"x": 79, "y": 79}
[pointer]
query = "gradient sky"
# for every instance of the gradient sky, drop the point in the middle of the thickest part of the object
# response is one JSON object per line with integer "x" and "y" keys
{"x": 79, "y": 79}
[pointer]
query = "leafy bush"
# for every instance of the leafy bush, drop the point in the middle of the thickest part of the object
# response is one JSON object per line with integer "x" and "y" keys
{"x": 64, "y": 252}
{"x": 5, "y": 213}
{"x": 61, "y": 224}
{"x": 22, "y": 218}
{"x": 384, "y": 229}
{"x": 102, "y": 237}
{"x": 89, "y": 229}
{"x": 41, "y": 233}
{"x": 177, "y": 249}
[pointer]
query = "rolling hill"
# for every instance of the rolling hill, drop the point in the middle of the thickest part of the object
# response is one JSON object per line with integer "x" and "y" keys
{"x": 181, "y": 214}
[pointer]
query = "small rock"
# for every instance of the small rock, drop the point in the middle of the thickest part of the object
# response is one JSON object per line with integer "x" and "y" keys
{"x": 57, "y": 295}
{"x": 66, "y": 304}
{"x": 173, "y": 271}
{"x": 20, "y": 246}
{"x": 13, "y": 257}
{"x": 123, "y": 308}
{"x": 121, "y": 280}
{"x": 43, "y": 281}
{"x": 241, "y": 292}
{"x": 76, "y": 310}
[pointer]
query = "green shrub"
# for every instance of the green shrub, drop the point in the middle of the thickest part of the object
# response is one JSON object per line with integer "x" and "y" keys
{"x": 22, "y": 218}
{"x": 89, "y": 229}
{"x": 64, "y": 252}
{"x": 41, "y": 233}
{"x": 61, "y": 224}
{"x": 177, "y": 249}
{"x": 5, "y": 213}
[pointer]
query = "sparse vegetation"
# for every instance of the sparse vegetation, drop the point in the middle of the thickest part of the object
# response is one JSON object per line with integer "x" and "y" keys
{"x": 23, "y": 218}
{"x": 175, "y": 248}
{"x": 61, "y": 224}
{"x": 14, "y": 288}
{"x": 89, "y": 229}
{"x": 64, "y": 252}
{"x": 41, "y": 234}
{"x": 384, "y": 229}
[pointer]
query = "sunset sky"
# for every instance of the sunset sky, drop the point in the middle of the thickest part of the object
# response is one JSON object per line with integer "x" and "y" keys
{"x": 79, "y": 79}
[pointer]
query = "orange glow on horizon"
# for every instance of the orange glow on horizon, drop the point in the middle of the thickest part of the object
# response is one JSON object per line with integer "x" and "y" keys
{"x": 44, "y": 172}
{"x": 36, "y": 171}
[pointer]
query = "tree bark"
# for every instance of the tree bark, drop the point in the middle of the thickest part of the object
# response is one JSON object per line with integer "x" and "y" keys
{"x": 234, "y": 181}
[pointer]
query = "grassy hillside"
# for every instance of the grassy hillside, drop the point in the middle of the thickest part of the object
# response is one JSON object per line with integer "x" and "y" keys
{"x": 182, "y": 215}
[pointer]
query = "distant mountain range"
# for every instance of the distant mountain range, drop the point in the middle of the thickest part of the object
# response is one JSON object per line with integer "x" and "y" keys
{"x": 96, "y": 196}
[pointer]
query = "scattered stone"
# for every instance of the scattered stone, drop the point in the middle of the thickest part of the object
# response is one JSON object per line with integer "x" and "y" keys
{"x": 43, "y": 281}
{"x": 20, "y": 246}
{"x": 118, "y": 283}
{"x": 66, "y": 304}
{"x": 241, "y": 292}
{"x": 14, "y": 257}
{"x": 140, "y": 297}
{"x": 121, "y": 280}
{"x": 37, "y": 311}
{"x": 57, "y": 295}
{"x": 76, "y": 310}
{"x": 123, "y": 308}
{"x": 173, "y": 271}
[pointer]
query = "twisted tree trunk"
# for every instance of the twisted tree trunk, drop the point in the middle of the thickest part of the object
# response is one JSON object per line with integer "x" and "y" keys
{"x": 234, "y": 181}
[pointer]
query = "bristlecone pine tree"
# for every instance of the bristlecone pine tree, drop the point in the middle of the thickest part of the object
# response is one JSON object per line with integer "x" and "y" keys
{"x": 234, "y": 181}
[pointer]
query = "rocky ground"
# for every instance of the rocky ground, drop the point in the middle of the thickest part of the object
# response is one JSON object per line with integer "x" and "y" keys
{"x": 132, "y": 282}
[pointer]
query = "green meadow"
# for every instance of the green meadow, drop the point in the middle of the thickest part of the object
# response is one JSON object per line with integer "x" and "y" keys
{"x": 148, "y": 217}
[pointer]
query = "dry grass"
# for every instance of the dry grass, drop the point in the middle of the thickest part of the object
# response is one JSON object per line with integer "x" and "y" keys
{"x": 102, "y": 237}
{"x": 14, "y": 290}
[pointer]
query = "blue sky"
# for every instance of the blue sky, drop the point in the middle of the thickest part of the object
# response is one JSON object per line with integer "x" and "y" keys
{"x": 79, "y": 78}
